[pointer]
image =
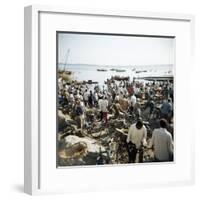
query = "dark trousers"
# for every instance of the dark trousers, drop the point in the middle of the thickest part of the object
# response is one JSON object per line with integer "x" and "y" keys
{"x": 105, "y": 116}
{"x": 85, "y": 102}
{"x": 101, "y": 115}
{"x": 132, "y": 152}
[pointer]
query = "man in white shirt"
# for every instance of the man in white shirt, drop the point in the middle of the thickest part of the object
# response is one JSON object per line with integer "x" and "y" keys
{"x": 117, "y": 97}
{"x": 136, "y": 90}
{"x": 85, "y": 97}
{"x": 103, "y": 105}
{"x": 71, "y": 98}
{"x": 133, "y": 100}
{"x": 77, "y": 96}
{"x": 132, "y": 103}
{"x": 96, "y": 98}
{"x": 162, "y": 143}
{"x": 136, "y": 138}
{"x": 99, "y": 103}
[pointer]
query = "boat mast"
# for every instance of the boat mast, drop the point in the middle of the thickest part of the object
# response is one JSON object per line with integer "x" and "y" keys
{"x": 67, "y": 56}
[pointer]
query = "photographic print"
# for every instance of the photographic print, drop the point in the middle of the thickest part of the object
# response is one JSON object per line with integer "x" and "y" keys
{"x": 115, "y": 97}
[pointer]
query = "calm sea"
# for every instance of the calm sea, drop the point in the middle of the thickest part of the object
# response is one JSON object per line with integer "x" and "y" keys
{"x": 82, "y": 72}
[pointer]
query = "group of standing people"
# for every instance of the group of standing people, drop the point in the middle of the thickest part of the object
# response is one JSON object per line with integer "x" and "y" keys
{"x": 161, "y": 142}
{"x": 121, "y": 98}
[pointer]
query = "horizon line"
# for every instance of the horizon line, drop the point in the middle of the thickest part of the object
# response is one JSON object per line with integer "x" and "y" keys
{"x": 106, "y": 65}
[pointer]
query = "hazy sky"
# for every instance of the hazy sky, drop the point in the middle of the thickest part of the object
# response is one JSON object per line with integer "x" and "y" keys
{"x": 114, "y": 50}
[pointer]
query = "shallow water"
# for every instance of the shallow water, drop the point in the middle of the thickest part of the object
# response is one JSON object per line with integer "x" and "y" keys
{"x": 83, "y": 72}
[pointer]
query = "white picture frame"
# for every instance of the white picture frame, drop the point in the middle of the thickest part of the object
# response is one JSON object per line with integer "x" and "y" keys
{"x": 38, "y": 179}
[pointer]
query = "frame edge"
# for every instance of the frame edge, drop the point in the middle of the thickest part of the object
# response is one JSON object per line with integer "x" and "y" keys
{"x": 31, "y": 175}
{"x": 31, "y": 102}
{"x": 27, "y": 100}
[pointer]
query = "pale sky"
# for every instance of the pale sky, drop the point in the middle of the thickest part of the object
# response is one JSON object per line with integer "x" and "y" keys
{"x": 114, "y": 50}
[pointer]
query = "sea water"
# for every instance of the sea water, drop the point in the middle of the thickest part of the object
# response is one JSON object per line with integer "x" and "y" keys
{"x": 83, "y": 72}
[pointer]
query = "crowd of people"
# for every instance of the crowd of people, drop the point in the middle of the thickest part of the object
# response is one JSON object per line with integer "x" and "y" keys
{"x": 139, "y": 103}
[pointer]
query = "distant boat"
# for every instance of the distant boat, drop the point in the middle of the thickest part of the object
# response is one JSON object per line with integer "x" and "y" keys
{"x": 120, "y": 70}
{"x": 102, "y": 70}
{"x": 121, "y": 78}
{"x": 158, "y": 78}
{"x": 140, "y": 71}
{"x": 91, "y": 82}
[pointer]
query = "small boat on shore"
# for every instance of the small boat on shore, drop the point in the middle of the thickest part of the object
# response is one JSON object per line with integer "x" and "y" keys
{"x": 137, "y": 72}
{"x": 68, "y": 72}
{"x": 64, "y": 71}
{"x": 91, "y": 82}
{"x": 121, "y": 78}
{"x": 102, "y": 70}
{"x": 158, "y": 78}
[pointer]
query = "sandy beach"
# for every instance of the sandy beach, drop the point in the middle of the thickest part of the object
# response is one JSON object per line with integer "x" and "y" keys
{"x": 89, "y": 135}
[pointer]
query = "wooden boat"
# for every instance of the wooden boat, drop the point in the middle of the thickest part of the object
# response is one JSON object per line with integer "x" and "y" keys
{"x": 102, "y": 70}
{"x": 92, "y": 82}
{"x": 159, "y": 78}
{"x": 67, "y": 77}
{"x": 140, "y": 71}
{"x": 121, "y": 78}
{"x": 120, "y": 70}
